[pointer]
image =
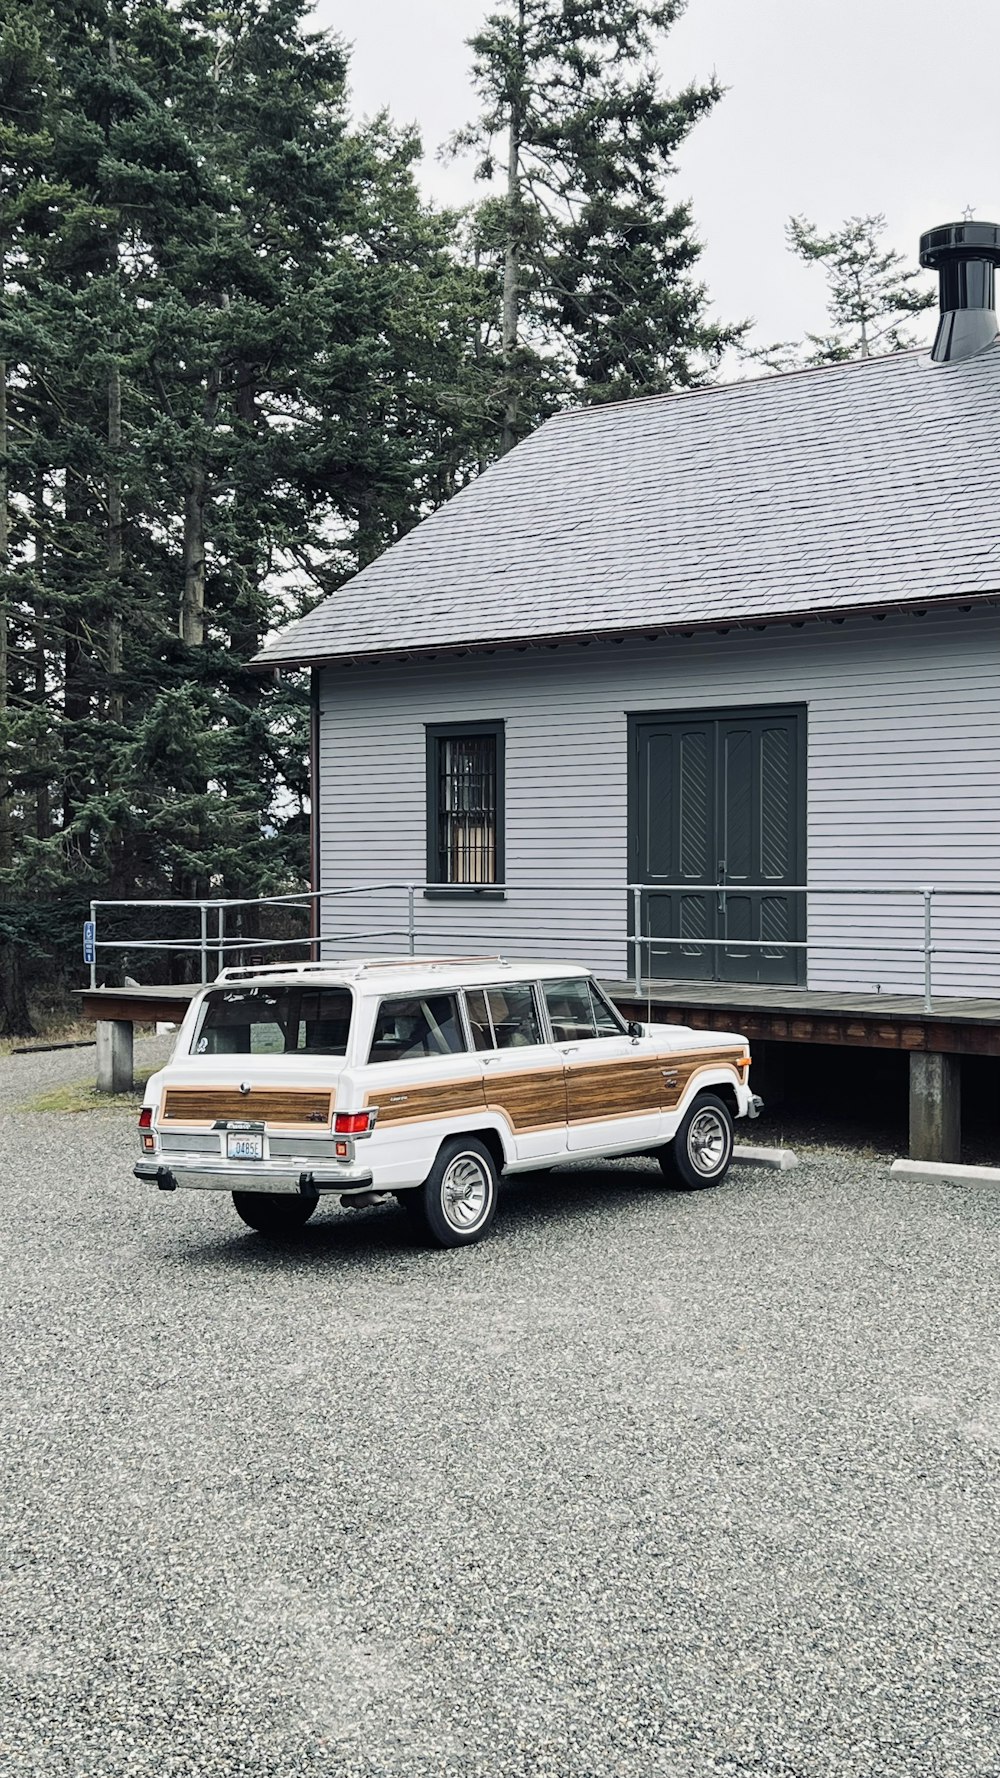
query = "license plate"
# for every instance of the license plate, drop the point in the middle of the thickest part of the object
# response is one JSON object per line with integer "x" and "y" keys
{"x": 244, "y": 1148}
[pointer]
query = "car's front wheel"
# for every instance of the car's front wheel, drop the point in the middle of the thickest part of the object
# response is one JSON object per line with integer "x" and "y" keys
{"x": 459, "y": 1196}
{"x": 702, "y": 1149}
{"x": 274, "y": 1213}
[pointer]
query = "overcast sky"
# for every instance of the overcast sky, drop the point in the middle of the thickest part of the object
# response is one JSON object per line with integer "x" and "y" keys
{"x": 835, "y": 108}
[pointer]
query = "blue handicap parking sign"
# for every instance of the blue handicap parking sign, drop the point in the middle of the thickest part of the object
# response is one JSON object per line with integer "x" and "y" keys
{"x": 89, "y": 947}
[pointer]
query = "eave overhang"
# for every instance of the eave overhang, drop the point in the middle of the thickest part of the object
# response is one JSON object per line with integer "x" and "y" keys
{"x": 719, "y": 626}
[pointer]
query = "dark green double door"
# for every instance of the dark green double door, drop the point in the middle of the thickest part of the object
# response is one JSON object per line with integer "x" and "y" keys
{"x": 718, "y": 837}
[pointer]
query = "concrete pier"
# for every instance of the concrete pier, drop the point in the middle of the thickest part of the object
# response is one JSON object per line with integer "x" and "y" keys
{"x": 935, "y": 1106}
{"x": 115, "y": 1056}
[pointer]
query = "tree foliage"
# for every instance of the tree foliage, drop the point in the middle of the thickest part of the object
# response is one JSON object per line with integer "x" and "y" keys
{"x": 592, "y": 261}
{"x": 239, "y": 357}
{"x": 871, "y": 295}
{"x": 235, "y": 351}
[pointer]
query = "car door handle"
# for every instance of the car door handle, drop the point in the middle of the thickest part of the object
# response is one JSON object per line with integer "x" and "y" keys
{"x": 573, "y": 1050}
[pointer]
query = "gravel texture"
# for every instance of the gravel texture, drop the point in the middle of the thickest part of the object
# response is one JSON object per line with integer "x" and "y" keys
{"x": 23, "y": 1078}
{"x": 699, "y": 1486}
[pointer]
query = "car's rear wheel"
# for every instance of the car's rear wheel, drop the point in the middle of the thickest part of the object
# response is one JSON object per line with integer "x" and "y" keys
{"x": 702, "y": 1149}
{"x": 274, "y": 1213}
{"x": 459, "y": 1196}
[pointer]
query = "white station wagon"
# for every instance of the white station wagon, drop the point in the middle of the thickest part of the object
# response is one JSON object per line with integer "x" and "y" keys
{"x": 426, "y": 1078}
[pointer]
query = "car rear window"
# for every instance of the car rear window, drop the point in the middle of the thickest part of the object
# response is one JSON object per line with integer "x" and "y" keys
{"x": 412, "y": 1025}
{"x": 274, "y": 1021}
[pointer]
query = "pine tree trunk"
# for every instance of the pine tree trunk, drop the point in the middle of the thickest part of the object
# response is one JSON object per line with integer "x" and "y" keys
{"x": 192, "y": 626}
{"x": 116, "y": 705}
{"x": 192, "y": 619}
{"x": 15, "y": 1019}
{"x": 43, "y": 810}
{"x": 512, "y": 250}
{"x": 76, "y": 675}
{"x": 6, "y": 836}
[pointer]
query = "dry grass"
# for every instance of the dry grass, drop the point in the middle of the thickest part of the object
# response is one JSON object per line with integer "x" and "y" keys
{"x": 80, "y": 1095}
{"x": 56, "y": 1027}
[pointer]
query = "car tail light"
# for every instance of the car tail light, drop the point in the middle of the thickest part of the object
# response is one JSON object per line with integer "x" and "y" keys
{"x": 353, "y": 1123}
{"x": 146, "y": 1118}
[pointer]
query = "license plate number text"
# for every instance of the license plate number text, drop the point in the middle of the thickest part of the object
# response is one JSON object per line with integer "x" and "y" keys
{"x": 244, "y": 1148}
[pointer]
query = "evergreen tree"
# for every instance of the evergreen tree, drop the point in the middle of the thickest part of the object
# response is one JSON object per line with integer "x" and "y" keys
{"x": 237, "y": 352}
{"x": 872, "y": 293}
{"x": 594, "y": 263}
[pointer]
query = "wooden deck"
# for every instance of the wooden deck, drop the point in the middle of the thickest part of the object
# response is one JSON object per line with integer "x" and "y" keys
{"x": 803, "y": 1015}
{"x": 782, "y": 1015}
{"x": 140, "y": 1006}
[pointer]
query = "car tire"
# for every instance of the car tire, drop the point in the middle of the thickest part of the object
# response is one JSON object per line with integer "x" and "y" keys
{"x": 702, "y": 1149}
{"x": 274, "y": 1213}
{"x": 459, "y": 1195}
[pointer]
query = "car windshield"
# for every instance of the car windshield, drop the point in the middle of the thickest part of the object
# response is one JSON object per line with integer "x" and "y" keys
{"x": 274, "y": 1021}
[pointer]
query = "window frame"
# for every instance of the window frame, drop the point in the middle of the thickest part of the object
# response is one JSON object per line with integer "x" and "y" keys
{"x": 384, "y": 1000}
{"x": 538, "y": 1004}
{"x": 435, "y": 887}
{"x": 597, "y": 993}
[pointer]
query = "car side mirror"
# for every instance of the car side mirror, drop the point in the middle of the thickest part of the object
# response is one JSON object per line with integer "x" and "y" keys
{"x": 635, "y": 1029}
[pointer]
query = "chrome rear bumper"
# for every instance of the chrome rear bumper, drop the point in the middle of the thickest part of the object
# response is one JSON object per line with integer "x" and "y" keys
{"x": 263, "y": 1176}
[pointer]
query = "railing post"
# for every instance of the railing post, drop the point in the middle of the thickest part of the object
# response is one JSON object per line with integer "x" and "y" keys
{"x": 222, "y": 940}
{"x": 928, "y": 949}
{"x": 636, "y": 928}
{"x": 411, "y": 915}
{"x": 203, "y": 911}
{"x": 93, "y": 966}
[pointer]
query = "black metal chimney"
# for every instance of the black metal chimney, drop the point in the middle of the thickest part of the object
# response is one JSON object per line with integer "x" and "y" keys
{"x": 964, "y": 255}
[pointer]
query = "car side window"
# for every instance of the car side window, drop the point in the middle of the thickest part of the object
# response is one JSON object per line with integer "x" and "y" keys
{"x": 479, "y": 1018}
{"x": 503, "y": 1018}
{"x": 609, "y": 1022}
{"x": 514, "y": 1016}
{"x": 576, "y": 1013}
{"x": 412, "y": 1025}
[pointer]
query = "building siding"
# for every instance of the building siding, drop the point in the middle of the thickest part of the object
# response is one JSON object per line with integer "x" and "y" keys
{"x": 903, "y": 789}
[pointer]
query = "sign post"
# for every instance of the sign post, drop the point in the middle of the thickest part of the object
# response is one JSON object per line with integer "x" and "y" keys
{"x": 90, "y": 947}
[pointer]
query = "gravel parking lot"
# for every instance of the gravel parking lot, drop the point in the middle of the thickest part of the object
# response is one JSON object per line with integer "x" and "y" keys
{"x": 647, "y": 1483}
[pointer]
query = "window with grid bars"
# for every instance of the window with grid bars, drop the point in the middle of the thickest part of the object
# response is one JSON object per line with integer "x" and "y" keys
{"x": 465, "y": 805}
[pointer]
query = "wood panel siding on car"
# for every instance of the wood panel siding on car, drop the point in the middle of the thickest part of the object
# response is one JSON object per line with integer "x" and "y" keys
{"x": 203, "y": 1105}
{"x": 411, "y": 1105}
{"x": 599, "y": 1091}
{"x": 529, "y": 1099}
{"x": 615, "y": 1087}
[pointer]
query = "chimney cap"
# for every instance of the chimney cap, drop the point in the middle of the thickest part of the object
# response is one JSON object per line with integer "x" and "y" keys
{"x": 960, "y": 240}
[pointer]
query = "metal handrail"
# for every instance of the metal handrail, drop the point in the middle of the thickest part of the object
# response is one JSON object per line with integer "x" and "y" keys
{"x": 642, "y": 943}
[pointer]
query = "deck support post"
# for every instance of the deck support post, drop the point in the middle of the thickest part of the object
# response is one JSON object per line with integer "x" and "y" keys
{"x": 767, "y": 1072}
{"x": 935, "y": 1106}
{"x": 114, "y": 1055}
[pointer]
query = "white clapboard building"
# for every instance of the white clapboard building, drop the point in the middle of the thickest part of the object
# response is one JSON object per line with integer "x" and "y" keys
{"x": 719, "y": 669}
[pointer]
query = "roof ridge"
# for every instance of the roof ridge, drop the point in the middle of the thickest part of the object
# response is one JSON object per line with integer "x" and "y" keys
{"x": 765, "y": 377}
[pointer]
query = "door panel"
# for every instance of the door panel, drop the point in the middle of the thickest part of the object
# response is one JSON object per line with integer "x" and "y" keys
{"x": 720, "y": 799}
{"x": 676, "y": 803}
{"x": 530, "y": 1095}
{"x": 613, "y": 1092}
{"x": 760, "y": 844}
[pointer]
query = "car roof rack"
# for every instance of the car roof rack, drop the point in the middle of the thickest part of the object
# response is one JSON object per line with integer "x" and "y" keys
{"x": 236, "y": 974}
{"x": 351, "y": 966}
